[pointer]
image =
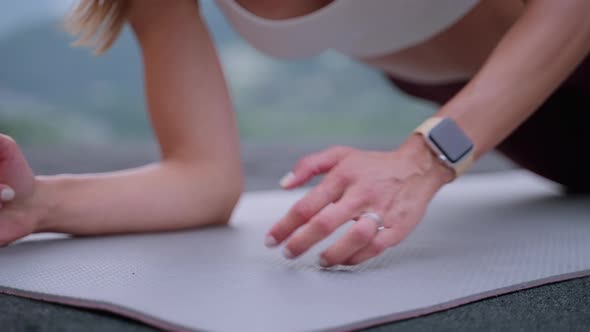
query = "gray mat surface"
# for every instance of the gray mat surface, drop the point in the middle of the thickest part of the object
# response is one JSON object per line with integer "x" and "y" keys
{"x": 554, "y": 307}
{"x": 482, "y": 236}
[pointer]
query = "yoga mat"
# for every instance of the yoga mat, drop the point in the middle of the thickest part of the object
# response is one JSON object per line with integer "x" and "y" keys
{"x": 482, "y": 236}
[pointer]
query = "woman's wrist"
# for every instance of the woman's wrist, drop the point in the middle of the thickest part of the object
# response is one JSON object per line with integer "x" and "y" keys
{"x": 416, "y": 149}
{"x": 44, "y": 202}
{"x": 164, "y": 196}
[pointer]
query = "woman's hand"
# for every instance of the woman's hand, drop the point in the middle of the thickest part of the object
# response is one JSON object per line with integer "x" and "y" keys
{"x": 396, "y": 185}
{"x": 17, "y": 185}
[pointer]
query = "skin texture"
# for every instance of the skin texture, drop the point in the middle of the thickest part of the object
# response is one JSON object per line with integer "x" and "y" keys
{"x": 541, "y": 48}
{"x": 198, "y": 180}
{"x": 16, "y": 213}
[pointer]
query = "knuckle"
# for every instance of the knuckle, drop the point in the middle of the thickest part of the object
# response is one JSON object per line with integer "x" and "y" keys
{"x": 340, "y": 149}
{"x": 323, "y": 227}
{"x": 331, "y": 189}
{"x": 361, "y": 235}
{"x": 370, "y": 195}
{"x": 302, "y": 210}
{"x": 341, "y": 178}
{"x": 357, "y": 203}
{"x": 404, "y": 214}
{"x": 308, "y": 165}
{"x": 377, "y": 248}
{"x": 401, "y": 215}
{"x": 332, "y": 186}
{"x": 337, "y": 179}
{"x": 303, "y": 163}
{"x": 397, "y": 182}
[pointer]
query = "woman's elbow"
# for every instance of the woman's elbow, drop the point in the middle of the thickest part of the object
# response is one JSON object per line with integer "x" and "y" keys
{"x": 220, "y": 193}
{"x": 206, "y": 192}
{"x": 231, "y": 190}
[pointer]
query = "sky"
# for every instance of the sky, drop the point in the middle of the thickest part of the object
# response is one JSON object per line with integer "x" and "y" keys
{"x": 15, "y": 14}
{"x": 246, "y": 64}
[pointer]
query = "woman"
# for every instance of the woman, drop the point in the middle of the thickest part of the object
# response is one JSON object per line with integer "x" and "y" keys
{"x": 507, "y": 73}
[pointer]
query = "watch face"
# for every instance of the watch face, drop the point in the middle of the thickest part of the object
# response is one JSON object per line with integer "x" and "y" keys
{"x": 450, "y": 140}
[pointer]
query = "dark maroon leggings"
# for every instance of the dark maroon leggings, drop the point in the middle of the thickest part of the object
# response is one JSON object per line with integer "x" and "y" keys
{"x": 554, "y": 142}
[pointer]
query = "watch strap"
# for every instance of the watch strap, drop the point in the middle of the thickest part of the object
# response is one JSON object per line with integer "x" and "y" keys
{"x": 460, "y": 166}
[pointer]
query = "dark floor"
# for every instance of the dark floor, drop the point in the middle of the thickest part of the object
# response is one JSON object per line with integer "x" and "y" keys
{"x": 562, "y": 306}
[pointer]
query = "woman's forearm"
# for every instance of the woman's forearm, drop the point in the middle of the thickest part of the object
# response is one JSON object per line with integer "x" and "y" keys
{"x": 542, "y": 48}
{"x": 199, "y": 181}
{"x": 157, "y": 197}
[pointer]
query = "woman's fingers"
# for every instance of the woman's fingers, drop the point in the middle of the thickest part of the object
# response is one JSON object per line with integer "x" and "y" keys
{"x": 355, "y": 239}
{"x": 7, "y": 147}
{"x": 393, "y": 185}
{"x": 15, "y": 173}
{"x": 17, "y": 182}
{"x": 385, "y": 238}
{"x": 9, "y": 231}
{"x": 329, "y": 191}
{"x": 322, "y": 225}
{"x": 398, "y": 223}
{"x": 7, "y": 194}
{"x": 314, "y": 165}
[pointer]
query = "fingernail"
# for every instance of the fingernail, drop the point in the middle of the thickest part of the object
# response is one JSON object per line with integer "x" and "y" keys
{"x": 288, "y": 254}
{"x": 7, "y": 195}
{"x": 287, "y": 179}
{"x": 324, "y": 263}
{"x": 270, "y": 241}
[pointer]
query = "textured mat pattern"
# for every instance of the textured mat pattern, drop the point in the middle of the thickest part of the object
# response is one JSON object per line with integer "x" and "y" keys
{"x": 482, "y": 236}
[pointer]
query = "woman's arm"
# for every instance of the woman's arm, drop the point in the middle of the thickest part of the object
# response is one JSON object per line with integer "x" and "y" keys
{"x": 199, "y": 179}
{"x": 536, "y": 55}
{"x": 542, "y": 48}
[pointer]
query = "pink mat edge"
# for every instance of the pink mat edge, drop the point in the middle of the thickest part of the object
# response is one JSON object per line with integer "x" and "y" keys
{"x": 167, "y": 326}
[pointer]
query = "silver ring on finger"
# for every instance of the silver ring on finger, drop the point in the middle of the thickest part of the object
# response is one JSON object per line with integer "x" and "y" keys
{"x": 375, "y": 217}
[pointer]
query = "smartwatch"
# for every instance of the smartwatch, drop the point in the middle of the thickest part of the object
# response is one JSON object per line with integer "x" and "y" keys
{"x": 448, "y": 142}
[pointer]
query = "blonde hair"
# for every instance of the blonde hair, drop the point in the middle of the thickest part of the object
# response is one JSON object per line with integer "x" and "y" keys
{"x": 97, "y": 23}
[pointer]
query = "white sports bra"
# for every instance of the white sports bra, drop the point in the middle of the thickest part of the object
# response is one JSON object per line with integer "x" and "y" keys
{"x": 359, "y": 28}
